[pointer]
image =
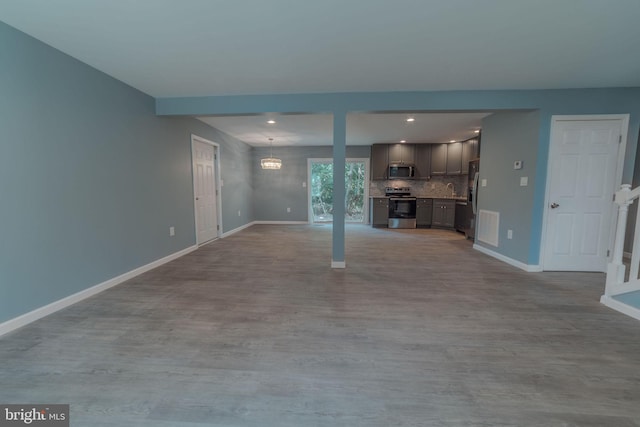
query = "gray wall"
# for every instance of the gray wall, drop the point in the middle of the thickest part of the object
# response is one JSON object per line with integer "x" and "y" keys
{"x": 90, "y": 178}
{"x": 507, "y": 137}
{"x": 275, "y": 190}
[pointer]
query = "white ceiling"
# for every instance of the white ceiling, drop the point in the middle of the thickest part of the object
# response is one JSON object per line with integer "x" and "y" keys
{"x": 362, "y": 129}
{"x": 169, "y": 48}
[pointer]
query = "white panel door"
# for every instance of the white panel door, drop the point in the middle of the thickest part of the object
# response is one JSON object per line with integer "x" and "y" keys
{"x": 205, "y": 192}
{"x": 583, "y": 157}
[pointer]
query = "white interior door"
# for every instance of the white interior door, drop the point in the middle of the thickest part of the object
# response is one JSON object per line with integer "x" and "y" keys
{"x": 583, "y": 162}
{"x": 204, "y": 186}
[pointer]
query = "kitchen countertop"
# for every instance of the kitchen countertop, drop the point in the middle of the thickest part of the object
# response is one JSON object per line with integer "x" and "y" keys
{"x": 458, "y": 199}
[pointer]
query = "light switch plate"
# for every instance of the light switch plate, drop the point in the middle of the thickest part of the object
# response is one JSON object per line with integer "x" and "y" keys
{"x": 524, "y": 181}
{"x": 484, "y": 182}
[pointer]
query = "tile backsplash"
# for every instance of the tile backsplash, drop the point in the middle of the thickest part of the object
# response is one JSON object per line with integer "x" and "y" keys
{"x": 435, "y": 187}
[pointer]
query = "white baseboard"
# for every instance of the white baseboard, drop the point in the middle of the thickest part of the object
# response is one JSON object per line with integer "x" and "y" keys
{"x": 620, "y": 306}
{"x": 235, "y": 230}
{"x": 522, "y": 266}
{"x": 249, "y": 224}
{"x": 38, "y": 313}
{"x": 338, "y": 264}
{"x": 281, "y": 222}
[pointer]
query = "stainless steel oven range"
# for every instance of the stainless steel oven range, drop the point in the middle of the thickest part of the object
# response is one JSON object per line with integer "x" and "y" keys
{"x": 402, "y": 207}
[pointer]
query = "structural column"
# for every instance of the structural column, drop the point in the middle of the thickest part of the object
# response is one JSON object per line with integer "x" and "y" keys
{"x": 339, "y": 160}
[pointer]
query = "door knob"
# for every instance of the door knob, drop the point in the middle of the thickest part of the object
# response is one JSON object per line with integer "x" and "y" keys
{"x": 554, "y": 205}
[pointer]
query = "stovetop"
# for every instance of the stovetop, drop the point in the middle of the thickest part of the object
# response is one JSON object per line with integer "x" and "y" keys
{"x": 398, "y": 191}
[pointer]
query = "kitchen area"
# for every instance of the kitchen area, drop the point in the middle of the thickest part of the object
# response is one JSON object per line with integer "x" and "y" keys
{"x": 425, "y": 185}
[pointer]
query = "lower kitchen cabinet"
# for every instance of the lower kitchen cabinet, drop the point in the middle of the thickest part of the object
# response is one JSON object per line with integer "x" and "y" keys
{"x": 424, "y": 212}
{"x": 444, "y": 213}
{"x": 379, "y": 211}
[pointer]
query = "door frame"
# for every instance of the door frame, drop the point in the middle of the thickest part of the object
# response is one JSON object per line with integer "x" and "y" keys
{"x": 555, "y": 119}
{"x": 218, "y": 186}
{"x": 367, "y": 172}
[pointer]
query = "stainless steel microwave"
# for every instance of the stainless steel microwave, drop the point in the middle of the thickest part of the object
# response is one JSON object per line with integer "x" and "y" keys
{"x": 401, "y": 171}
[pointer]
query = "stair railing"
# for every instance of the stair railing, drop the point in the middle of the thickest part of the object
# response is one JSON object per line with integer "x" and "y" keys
{"x": 616, "y": 270}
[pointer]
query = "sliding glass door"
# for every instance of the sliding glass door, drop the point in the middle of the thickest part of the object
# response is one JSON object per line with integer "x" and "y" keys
{"x": 321, "y": 190}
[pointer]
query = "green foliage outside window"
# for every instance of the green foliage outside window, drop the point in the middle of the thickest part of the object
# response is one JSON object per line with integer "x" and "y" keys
{"x": 322, "y": 191}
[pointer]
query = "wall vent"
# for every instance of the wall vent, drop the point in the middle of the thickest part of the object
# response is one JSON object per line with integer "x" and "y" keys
{"x": 488, "y": 226}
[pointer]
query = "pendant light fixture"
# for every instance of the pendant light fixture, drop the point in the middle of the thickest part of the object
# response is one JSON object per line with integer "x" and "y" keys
{"x": 271, "y": 162}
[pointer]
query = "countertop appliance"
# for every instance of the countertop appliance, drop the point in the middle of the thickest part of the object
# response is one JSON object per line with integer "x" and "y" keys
{"x": 402, "y": 207}
{"x": 472, "y": 198}
{"x": 401, "y": 171}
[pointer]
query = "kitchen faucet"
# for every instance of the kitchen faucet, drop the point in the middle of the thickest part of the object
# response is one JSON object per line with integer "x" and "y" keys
{"x": 453, "y": 188}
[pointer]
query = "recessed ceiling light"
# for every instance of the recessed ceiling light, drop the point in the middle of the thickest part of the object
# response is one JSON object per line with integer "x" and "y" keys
{"x": 403, "y": 140}
{"x": 271, "y": 122}
{"x": 411, "y": 119}
{"x": 453, "y": 140}
{"x": 477, "y": 131}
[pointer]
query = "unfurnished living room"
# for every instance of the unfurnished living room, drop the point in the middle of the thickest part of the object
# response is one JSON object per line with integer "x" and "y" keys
{"x": 337, "y": 213}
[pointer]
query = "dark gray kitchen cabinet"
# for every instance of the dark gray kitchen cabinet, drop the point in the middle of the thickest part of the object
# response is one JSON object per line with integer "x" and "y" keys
{"x": 439, "y": 159}
{"x": 379, "y": 211}
{"x": 469, "y": 152}
{"x": 454, "y": 158}
{"x": 424, "y": 212}
{"x": 402, "y": 153}
{"x": 423, "y": 161}
{"x": 379, "y": 161}
{"x": 444, "y": 213}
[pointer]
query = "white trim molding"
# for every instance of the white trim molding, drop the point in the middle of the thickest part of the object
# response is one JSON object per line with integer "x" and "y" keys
{"x": 338, "y": 264}
{"x": 620, "y": 307}
{"x": 249, "y": 224}
{"x": 237, "y": 229}
{"x": 23, "y": 320}
{"x": 522, "y": 266}
{"x": 281, "y": 222}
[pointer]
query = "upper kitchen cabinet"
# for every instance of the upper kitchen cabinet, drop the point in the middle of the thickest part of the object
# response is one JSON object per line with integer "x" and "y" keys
{"x": 402, "y": 153}
{"x": 423, "y": 161}
{"x": 439, "y": 159}
{"x": 379, "y": 161}
{"x": 454, "y": 158}
{"x": 469, "y": 152}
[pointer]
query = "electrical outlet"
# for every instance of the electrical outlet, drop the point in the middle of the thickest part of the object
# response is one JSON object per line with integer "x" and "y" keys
{"x": 172, "y": 231}
{"x": 509, "y": 234}
{"x": 304, "y": 184}
{"x": 517, "y": 164}
{"x": 289, "y": 210}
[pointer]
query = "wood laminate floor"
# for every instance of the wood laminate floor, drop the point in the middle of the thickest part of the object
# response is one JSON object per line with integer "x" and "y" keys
{"x": 257, "y": 330}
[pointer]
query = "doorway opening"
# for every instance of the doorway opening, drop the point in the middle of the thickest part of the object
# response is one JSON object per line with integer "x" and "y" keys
{"x": 321, "y": 190}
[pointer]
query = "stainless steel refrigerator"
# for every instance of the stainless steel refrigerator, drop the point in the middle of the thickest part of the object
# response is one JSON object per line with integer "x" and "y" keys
{"x": 472, "y": 198}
